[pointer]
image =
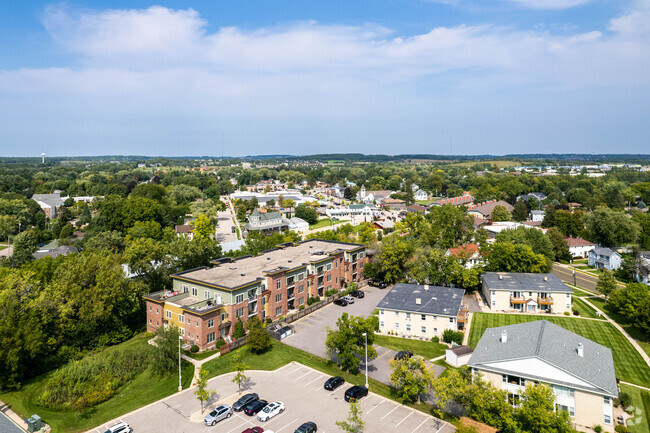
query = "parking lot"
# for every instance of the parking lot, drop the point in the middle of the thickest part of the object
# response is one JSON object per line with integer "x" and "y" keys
{"x": 301, "y": 390}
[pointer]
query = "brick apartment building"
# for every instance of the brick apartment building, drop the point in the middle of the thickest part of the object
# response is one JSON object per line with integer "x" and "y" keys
{"x": 205, "y": 302}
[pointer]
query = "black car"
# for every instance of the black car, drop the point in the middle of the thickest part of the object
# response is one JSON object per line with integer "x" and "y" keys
{"x": 255, "y": 406}
{"x": 334, "y": 382}
{"x": 243, "y": 401}
{"x": 403, "y": 354}
{"x": 341, "y": 302}
{"x": 377, "y": 283}
{"x": 357, "y": 294}
{"x": 356, "y": 392}
{"x": 308, "y": 427}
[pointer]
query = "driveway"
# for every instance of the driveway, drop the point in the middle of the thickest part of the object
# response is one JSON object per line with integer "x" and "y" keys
{"x": 301, "y": 390}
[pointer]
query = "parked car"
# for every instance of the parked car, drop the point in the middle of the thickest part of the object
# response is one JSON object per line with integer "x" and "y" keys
{"x": 220, "y": 412}
{"x": 271, "y": 410}
{"x": 403, "y": 354}
{"x": 255, "y": 406}
{"x": 232, "y": 229}
{"x": 243, "y": 401}
{"x": 120, "y": 427}
{"x": 308, "y": 427}
{"x": 377, "y": 283}
{"x": 255, "y": 430}
{"x": 342, "y": 302}
{"x": 348, "y": 299}
{"x": 334, "y": 382}
{"x": 356, "y": 392}
{"x": 357, "y": 294}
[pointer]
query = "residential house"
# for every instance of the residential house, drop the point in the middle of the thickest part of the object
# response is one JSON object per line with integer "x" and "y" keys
{"x": 298, "y": 224}
{"x": 49, "y": 203}
{"x": 604, "y": 258}
{"x": 186, "y": 230}
{"x": 464, "y": 200}
{"x": 469, "y": 255}
{"x": 266, "y": 222}
{"x": 526, "y": 293}
{"x": 205, "y": 302}
{"x": 54, "y": 250}
{"x": 423, "y": 311}
{"x": 367, "y": 210}
{"x": 370, "y": 197}
{"x": 394, "y": 203}
{"x": 484, "y": 210}
{"x": 420, "y": 195}
{"x": 415, "y": 208}
{"x": 495, "y": 228}
{"x": 537, "y": 215}
{"x": 384, "y": 224}
{"x": 579, "y": 247}
{"x": 458, "y": 356}
{"x": 642, "y": 268}
{"x": 537, "y": 195}
{"x": 579, "y": 371}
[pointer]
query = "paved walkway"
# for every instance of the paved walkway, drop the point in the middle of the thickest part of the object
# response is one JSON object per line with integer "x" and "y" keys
{"x": 636, "y": 386}
{"x": 644, "y": 355}
{"x": 198, "y": 363}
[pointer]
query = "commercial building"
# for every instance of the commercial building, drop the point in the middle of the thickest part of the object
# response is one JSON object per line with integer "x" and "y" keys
{"x": 526, "y": 293}
{"x": 579, "y": 371}
{"x": 205, "y": 302}
{"x": 414, "y": 310}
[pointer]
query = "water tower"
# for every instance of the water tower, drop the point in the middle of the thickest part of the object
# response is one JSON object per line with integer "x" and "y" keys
{"x": 43, "y": 158}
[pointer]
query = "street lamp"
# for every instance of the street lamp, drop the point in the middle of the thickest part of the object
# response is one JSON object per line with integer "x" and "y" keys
{"x": 366, "y": 335}
{"x": 180, "y": 385}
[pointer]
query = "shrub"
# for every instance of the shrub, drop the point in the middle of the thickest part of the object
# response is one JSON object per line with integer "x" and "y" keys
{"x": 331, "y": 292}
{"x": 435, "y": 339}
{"x": 312, "y": 300}
{"x": 302, "y": 307}
{"x": 194, "y": 348}
{"x": 452, "y": 336}
{"x": 576, "y": 312}
{"x": 219, "y": 343}
{"x": 268, "y": 320}
{"x": 620, "y": 429}
{"x": 258, "y": 339}
{"x": 239, "y": 329}
{"x": 625, "y": 399}
{"x": 597, "y": 428}
{"x": 566, "y": 313}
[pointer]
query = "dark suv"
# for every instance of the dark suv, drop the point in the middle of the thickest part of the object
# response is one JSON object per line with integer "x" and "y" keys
{"x": 308, "y": 427}
{"x": 356, "y": 392}
{"x": 334, "y": 382}
{"x": 255, "y": 406}
{"x": 377, "y": 283}
{"x": 341, "y": 302}
{"x": 243, "y": 401}
{"x": 357, "y": 294}
{"x": 404, "y": 354}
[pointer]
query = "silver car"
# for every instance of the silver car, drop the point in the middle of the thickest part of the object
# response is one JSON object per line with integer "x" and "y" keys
{"x": 220, "y": 412}
{"x": 348, "y": 299}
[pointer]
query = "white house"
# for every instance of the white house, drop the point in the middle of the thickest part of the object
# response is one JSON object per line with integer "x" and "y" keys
{"x": 537, "y": 215}
{"x": 579, "y": 247}
{"x": 298, "y": 224}
{"x": 420, "y": 195}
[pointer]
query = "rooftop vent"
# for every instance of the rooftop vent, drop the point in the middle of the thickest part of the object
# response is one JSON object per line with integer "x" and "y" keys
{"x": 234, "y": 268}
{"x": 500, "y": 277}
{"x": 545, "y": 278}
{"x": 581, "y": 350}
{"x": 289, "y": 261}
{"x": 504, "y": 336}
{"x": 243, "y": 274}
{"x": 418, "y": 301}
{"x": 268, "y": 258}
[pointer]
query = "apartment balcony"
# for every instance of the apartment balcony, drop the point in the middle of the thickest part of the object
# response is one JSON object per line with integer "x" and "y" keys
{"x": 462, "y": 317}
{"x": 517, "y": 300}
{"x": 545, "y": 301}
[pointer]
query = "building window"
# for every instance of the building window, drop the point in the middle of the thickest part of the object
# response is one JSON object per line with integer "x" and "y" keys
{"x": 396, "y": 313}
{"x": 329, "y": 278}
{"x": 608, "y": 419}
{"x": 181, "y": 318}
{"x": 451, "y": 320}
{"x": 424, "y": 317}
{"x": 424, "y": 329}
{"x": 408, "y": 327}
{"x": 381, "y": 312}
{"x": 239, "y": 298}
{"x": 301, "y": 276}
{"x": 408, "y": 316}
{"x": 396, "y": 325}
{"x": 149, "y": 307}
{"x": 504, "y": 378}
{"x": 319, "y": 270}
{"x": 156, "y": 311}
{"x": 607, "y": 400}
{"x": 195, "y": 291}
{"x": 278, "y": 284}
{"x": 223, "y": 317}
{"x": 206, "y": 294}
{"x": 182, "y": 331}
{"x": 336, "y": 263}
{"x": 278, "y": 311}
{"x": 301, "y": 301}
{"x": 278, "y": 297}
{"x": 169, "y": 314}
{"x": 563, "y": 391}
{"x": 494, "y": 302}
{"x": 210, "y": 323}
{"x": 435, "y": 330}
{"x": 149, "y": 320}
{"x": 185, "y": 288}
{"x": 210, "y": 338}
{"x": 301, "y": 288}
{"x": 329, "y": 267}
{"x": 240, "y": 312}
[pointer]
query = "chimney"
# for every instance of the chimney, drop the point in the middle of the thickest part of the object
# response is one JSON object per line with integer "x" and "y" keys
{"x": 545, "y": 277}
{"x": 418, "y": 301}
{"x": 504, "y": 336}
{"x": 426, "y": 287}
{"x": 581, "y": 350}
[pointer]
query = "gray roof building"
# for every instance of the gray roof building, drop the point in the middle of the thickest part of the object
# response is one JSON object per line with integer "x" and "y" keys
{"x": 571, "y": 353}
{"x": 55, "y": 252}
{"x": 423, "y": 299}
{"x": 518, "y": 282}
{"x": 53, "y": 200}
{"x": 604, "y": 252}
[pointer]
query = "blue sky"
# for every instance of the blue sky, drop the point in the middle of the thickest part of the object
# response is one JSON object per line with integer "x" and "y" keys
{"x": 304, "y": 77}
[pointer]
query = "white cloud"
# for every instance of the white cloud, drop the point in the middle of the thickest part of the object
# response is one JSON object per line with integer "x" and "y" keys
{"x": 550, "y": 4}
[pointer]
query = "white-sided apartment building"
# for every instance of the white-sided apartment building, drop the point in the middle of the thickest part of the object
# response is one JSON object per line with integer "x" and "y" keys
{"x": 526, "y": 293}
{"x": 579, "y": 371}
{"x": 421, "y": 311}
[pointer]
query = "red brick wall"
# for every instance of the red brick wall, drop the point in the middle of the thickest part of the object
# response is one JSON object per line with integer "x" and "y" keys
{"x": 155, "y": 315}
{"x": 200, "y": 333}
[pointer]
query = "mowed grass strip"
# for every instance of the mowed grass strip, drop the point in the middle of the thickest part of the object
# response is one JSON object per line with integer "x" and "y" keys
{"x": 427, "y": 349}
{"x": 629, "y": 364}
{"x": 642, "y": 338}
{"x": 641, "y": 403}
{"x": 584, "y": 309}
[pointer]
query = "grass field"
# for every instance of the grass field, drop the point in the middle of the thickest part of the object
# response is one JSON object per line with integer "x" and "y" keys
{"x": 141, "y": 391}
{"x": 630, "y": 367}
{"x": 325, "y": 222}
{"x": 584, "y": 309}
{"x": 427, "y": 349}
{"x": 641, "y": 403}
{"x": 638, "y": 335}
{"x": 580, "y": 292}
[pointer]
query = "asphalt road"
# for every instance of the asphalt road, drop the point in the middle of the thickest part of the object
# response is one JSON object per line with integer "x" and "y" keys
{"x": 300, "y": 389}
{"x": 579, "y": 279}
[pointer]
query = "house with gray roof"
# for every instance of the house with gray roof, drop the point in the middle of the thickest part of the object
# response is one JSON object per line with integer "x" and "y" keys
{"x": 526, "y": 293}
{"x": 424, "y": 311}
{"x": 49, "y": 203}
{"x": 267, "y": 222}
{"x": 604, "y": 258}
{"x": 579, "y": 371}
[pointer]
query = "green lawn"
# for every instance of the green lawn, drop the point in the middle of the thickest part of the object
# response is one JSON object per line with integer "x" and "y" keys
{"x": 143, "y": 390}
{"x": 581, "y": 292}
{"x": 427, "y": 349}
{"x": 641, "y": 403}
{"x": 584, "y": 309}
{"x": 641, "y": 338}
{"x": 2, "y": 247}
{"x": 200, "y": 355}
{"x": 630, "y": 367}
{"x": 325, "y": 222}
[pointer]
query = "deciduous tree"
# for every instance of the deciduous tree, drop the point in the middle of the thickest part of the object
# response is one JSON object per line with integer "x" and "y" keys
{"x": 411, "y": 377}
{"x": 347, "y": 342}
{"x": 202, "y": 393}
{"x": 354, "y": 423}
{"x": 238, "y": 365}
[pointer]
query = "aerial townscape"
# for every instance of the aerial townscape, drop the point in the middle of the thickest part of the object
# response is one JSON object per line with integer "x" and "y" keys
{"x": 325, "y": 216}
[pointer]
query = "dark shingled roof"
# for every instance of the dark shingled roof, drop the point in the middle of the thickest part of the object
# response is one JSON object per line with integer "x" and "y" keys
{"x": 553, "y": 344}
{"x": 516, "y": 282}
{"x": 439, "y": 301}
{"x": 461, "y": 350}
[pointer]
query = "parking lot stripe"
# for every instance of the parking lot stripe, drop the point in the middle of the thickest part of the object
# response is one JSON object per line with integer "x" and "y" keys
{"x": 294, "y": 370}
{"x": 404, "y": 419}
{"x": 383, "y": 354}
{"x": 319, "y": 377}
{"x": 376, "y": 406}
{"x": 425, "y": 420}
{"x": 286, "y": 425}
{"x": 396, "y": 407}
{"x": 300, "y": 377}
{"x": 306, "y": 324}
{"x": 236, "y": 428}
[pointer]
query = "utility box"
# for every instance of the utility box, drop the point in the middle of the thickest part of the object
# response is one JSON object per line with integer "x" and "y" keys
{"x": 34, "y": 423}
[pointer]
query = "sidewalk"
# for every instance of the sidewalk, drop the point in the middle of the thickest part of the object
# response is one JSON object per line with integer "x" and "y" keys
{"x": 198, "y": 363}
{"x": 11, "y": 422}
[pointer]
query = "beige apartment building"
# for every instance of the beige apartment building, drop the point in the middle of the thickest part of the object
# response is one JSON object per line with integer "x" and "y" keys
{"x": 579, "y": 371}
{"x": 526, "y": 293}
